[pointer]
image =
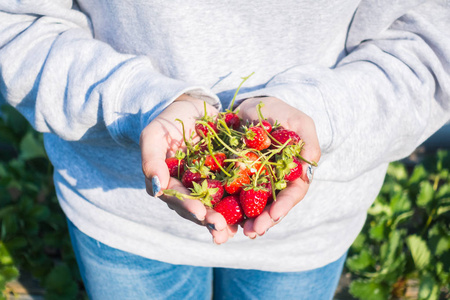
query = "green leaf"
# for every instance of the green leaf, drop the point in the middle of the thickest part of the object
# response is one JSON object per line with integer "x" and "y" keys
{"x": 377, "y": 230}
{"x": 428, "y": 289}
{"x": 369, "y": 290}
{"x": 31, "y": 147}
{"x": 419, "y": 251}
{"x": 16, "y": 243}
{"x": 394, "y": 244}
{"x": 425, "y": 194}
{"x": 400, "y": 203}
{"x": 379, "y": 208}
{"x": 398, "y": 171}
{"x": 438, "y": 240}
{"x": 359, "y": 242}
{"x": 39, "y": 212}
{"x": 60, "y": 282}
{"x": 9, "y": 273}
{"x": 419, "y": 174}
{"x": 360, "y": 261}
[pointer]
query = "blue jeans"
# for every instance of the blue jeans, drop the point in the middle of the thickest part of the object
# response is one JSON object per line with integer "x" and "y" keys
{"x": 111, "y": 274}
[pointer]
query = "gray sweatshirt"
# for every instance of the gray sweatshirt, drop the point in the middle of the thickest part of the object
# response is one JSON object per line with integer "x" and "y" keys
{"x": 373, "y": 75}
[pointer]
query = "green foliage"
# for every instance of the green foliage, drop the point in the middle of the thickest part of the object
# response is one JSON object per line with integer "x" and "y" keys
{"x": 33, "y": 229}
{"x": 406, "y": 237}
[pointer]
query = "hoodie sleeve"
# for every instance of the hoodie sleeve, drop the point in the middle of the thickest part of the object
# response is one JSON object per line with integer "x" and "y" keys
{"x": 388, "y": 94}
{"x": 67, "y": 83}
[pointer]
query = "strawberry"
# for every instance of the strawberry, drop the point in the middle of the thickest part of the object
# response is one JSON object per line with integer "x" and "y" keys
{"x": 289, "y": 168}
{"x": 230, "y": 208}
{"x": 282, "y": 135}
{"x": 195, "y": 173}
{"x": 210, "y": 191}
{"x": 232, "y": 120}
{"x": 295, "y": 171}
{"x": 189, "y": 177}
{"x": 176, "y": 164}
{"x": 256, "y": 138}
{"x": 254, "y": 167}
{"x": 267, "y": 126}
{"x": 209, "y": 161}
{"x": 253, "y": 200}
{"x": 234, "y": 184}
{"x": 202, "y": 130}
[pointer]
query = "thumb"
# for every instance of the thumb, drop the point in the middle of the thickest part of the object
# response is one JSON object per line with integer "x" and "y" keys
{"x": 153, "y": 154}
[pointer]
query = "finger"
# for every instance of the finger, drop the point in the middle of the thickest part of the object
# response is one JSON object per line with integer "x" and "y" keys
{"x": 287, "y": 199}
{"x": 249, "y": 230}
{"x": 153, "y": 154}
{"x": 217, "y": 226}
{"x": 311, "y": 149}
{"x": 263, "y": 222}
{"x": 190, "y": 209}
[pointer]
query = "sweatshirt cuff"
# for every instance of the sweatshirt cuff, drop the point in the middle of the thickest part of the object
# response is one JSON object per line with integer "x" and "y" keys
{"x": 304, "y": 96}
{"x": 142, "y": 97}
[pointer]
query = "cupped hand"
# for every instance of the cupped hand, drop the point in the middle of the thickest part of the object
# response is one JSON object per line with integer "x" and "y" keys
{"x": 161, "y": 139}
{"x": 290, "y": 118}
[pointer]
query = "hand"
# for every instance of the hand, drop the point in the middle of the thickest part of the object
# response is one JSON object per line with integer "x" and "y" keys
{"x": 159, "y": 140}
{"x": 290, "y": 118}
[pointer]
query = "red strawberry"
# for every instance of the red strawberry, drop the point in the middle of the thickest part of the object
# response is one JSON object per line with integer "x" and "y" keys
{"x": 215, "y": 184}
{"x": 209, "y": 161}
{"x": 175, "y": 166}
{"x": 234, "y": 184}
{"x": 230, "y": 208}
{"x": 256, "y": 138}
{"x": 209, "y": 191}
{"x": 267, "y": 126}
{"x": 202, "y": 130}
{"x": 253, "y": 201}
{"x": 295, "y": 172}
{"x": 232, "y": 120}
{"x": 289, "y": 168}
{"x": 253, "y": 167}
{"x": 189, "y": 177}
{"x": 282, "y": 135}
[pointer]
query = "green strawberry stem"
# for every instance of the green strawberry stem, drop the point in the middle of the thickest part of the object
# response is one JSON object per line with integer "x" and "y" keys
{"x": 182, "y": 196}
{"x": 188, "y": 145}
{"x": 224, "y": 124}
{"x": 265, "y": 162}
{"x": 208, "y": 142}
{"x": 244, "y": 79}
{"x": 313, "y": 163}
{"x": 204, "y": 106}
{"x": 272, "y": 185}
{"x": 217, "y": 137}
{"x": 261, "y": 118}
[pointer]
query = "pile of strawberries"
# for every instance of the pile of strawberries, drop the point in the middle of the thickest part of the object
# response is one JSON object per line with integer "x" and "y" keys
{"x": 235, "y": 168}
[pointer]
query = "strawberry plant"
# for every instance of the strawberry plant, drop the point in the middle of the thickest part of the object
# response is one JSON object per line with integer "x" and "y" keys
{"x": 33, "y": 229}
{"x": 250, "y": 160}
{"x": 405, "y": 243}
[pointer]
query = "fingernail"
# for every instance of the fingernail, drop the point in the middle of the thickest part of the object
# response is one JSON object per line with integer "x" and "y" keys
{"x": 262, "y": 233}
{"x": 310, "y": 173}
{"x": 195, "y": 217}
{"x": 211, "y": 226}
{"x": 253, "y": 236}
{"x": 156, "y": 185}
{"x": 214, "y": 241}
{"x": 277, "y": 220}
